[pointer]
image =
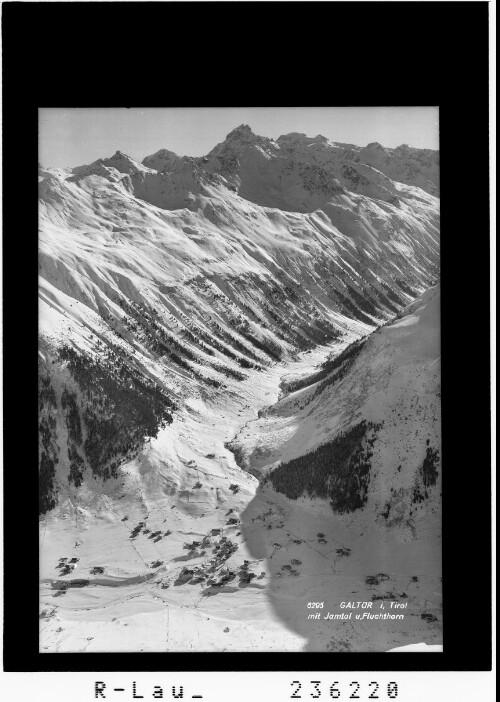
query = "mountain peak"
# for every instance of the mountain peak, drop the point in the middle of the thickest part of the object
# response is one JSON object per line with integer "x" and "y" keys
{"x": 119, "y": 155}
{"x": 375, "y": 146}
{"x": 161, "y": 160}
{"x": 240, "y": 141}
{"x": 301, "y": 138}
{"x": 244, "y": 130}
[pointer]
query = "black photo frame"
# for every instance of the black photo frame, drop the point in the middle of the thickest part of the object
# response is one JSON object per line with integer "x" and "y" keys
{"x": 345, "y": 54}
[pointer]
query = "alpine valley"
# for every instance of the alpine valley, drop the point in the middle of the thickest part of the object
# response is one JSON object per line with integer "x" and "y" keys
{"x": 239, "y": 399}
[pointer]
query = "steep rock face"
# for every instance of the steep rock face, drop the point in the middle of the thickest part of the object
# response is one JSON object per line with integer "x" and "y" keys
{"x": 180, "y": 277}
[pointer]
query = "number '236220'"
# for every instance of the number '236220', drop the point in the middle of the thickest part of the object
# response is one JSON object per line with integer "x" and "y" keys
{"x": 374, "y": 691}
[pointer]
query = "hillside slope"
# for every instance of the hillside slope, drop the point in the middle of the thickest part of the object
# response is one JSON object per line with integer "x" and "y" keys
{"x": 355, "y": 472}
{"x": 390, "y": 379}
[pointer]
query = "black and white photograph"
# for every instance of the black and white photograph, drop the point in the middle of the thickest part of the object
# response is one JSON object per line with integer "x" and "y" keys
{"x": 239, "y": 380}
{"x": 248, "y": 348}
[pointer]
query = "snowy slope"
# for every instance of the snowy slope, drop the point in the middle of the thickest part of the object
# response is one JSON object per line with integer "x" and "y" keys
{"x": 393, "y": 377}
{"x": 176, "y": 296}
{"x": 386, "y": 550}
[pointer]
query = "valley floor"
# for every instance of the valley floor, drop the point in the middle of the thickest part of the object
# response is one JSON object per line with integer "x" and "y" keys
{"x": 258, "y": 558}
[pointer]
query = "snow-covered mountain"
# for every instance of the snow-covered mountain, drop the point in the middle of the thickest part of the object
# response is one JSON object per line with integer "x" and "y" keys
{"x": 176, "y": 295}
{"x": 352, "y": 461}
{"x": 386, "y": 386}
